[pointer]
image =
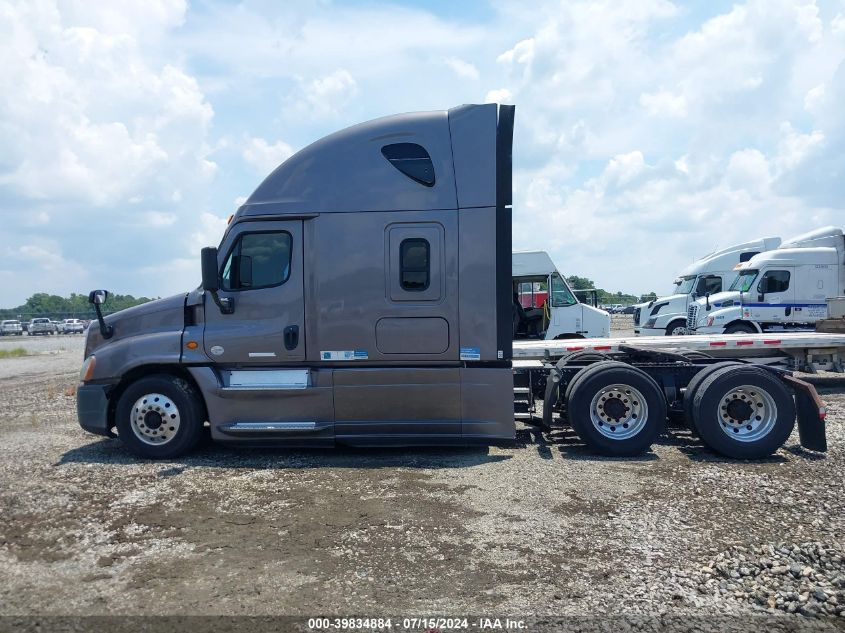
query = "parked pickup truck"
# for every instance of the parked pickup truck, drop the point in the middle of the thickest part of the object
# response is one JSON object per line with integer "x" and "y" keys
{"x": 11, "y": 327}
{"x": 41, "y": 326}
{"x": 72, "y": 326}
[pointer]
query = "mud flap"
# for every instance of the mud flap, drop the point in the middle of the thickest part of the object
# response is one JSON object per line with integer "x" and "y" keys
{"x": 551, "y": 396}
{"x": 811, "y": 414}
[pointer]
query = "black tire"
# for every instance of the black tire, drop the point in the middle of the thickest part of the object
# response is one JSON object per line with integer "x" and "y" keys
{"x": 740, "y": 328}
{"x": 190, "y": 410}
{"x": 710, "y": 398}
{"x": 692, "y": 388}
{"x": 674, "y": 324}
{"x": 589, "y": 382}
{"x": 693, "y": 354}
{"x": 582, "y": 356}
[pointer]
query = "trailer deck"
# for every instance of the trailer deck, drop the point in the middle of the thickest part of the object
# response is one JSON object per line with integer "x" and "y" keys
{"x": 816, "y": 350}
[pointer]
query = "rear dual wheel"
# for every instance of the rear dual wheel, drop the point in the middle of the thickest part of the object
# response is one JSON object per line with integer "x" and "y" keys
{"x": 742, "y": 411}
{"x": 616, "y": 409}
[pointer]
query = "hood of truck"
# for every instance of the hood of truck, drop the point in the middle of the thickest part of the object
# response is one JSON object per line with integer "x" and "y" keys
{"x": 672, "y": 304}
{"x": 160, "y": 315}
{"x": 720, "y": 316}
{"x": 595, "y": 321}
{"x": 724, "y": 299}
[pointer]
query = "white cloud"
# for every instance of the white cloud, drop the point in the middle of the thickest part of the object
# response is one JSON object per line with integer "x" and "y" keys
{"x": 157, "y": 219}
{"x": 814, "y": 99}
{"x": 521, "y": 54}
{"x": 664, "y": 103}
{"x": 98, "y": 122}
{"x": 265, "y": 157}
{"x": 462, "y": 68}
{"x": 635, "y": 117}
{"x": 500, "y": 95}
{"x": 328, "y": 95}
{"x": 210, "y": 231}
{"x": 624, "y": 168}
{"x": 794, "y": 147}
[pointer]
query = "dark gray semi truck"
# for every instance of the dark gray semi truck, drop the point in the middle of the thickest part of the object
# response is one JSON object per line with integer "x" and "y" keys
{"x": 363, "y": 296}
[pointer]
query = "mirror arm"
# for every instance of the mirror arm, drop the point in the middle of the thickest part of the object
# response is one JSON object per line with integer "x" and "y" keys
{"x": 107, "y": 331}
{"x": 226, "y": 304}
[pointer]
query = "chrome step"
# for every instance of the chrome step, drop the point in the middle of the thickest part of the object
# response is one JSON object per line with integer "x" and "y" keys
{"x": 250, "y": 428}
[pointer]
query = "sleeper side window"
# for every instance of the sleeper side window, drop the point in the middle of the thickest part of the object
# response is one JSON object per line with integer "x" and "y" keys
{"x": 776, "y": 281}
{"x": 258, "y": 260}
{"x": 414, "y": 264}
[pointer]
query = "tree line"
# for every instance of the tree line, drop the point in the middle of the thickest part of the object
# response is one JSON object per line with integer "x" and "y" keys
{"x": 75, "y": 306}
{"x": 605, "y": 297}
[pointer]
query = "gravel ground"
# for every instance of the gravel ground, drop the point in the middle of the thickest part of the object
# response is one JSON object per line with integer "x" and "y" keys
{"x": 542, "y": 528}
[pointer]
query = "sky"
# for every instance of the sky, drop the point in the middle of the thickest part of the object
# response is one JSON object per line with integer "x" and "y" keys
{"x": 648, "y": 132}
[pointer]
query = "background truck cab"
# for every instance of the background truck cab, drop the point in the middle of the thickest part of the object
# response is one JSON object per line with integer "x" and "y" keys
{"x": 785, "y": 289}
{"x": 546, "y": 307}
{"x": 709, "y": 275}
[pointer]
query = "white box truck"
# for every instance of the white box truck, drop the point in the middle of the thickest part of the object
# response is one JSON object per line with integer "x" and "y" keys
{"x": 546, "y": 307}
{"x": 709, "y": 275}
{"x": 783, "y": 290}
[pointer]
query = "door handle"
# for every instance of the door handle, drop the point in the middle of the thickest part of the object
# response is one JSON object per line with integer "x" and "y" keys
{"x": 291, "y": 335}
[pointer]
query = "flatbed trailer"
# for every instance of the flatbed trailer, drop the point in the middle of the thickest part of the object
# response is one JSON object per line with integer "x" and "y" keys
{"x": 722, "y": 387}
{"x": 806, "y": 351}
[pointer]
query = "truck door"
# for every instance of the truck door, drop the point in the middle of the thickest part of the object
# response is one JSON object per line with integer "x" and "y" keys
{"x": 814, "y": 283}
{"x": 775, "y": 299}
{"x": 261, "y": 269}
{"x": 566, "y": 312}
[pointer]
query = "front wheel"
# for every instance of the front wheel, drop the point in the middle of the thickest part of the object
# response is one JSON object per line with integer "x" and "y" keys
{"x": 740, "y": 328}
{"x": 676, "y": 328}
{"x": 616, "y": 409}
{"x": 743, "y": 412}
{"x": 160, "y": 417}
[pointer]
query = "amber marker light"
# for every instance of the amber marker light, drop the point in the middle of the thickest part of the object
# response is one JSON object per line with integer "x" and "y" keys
{"x": 192, "y": 345}
{"x": 87, "y": 371}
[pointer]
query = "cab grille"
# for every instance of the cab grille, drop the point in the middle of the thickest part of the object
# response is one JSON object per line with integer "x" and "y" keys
{"x": 636, "y": 316}
{"x": 692, "y": 316}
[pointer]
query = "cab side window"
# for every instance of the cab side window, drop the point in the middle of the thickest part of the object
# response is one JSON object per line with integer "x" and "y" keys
{"x": 709, "y": 285}
{"x": 776, "y": 281}
{"x": 258, "y": 260}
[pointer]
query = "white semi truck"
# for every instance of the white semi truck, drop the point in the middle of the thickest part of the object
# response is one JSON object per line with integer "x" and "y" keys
{"x": 553, "y": 312}
{"x": 783, "y": 290}
{"x": 709, "y": 275}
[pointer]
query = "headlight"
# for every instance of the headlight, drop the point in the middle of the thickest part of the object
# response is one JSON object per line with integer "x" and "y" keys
{"x": 87, "y": 370}
{"x": 650, "y": 322}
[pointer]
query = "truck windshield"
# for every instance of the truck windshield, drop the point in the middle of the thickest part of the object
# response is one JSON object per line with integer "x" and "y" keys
{"x": 744, "y": 280}
{"x": 684, "y": 285}
{"x": 561, "y": 294}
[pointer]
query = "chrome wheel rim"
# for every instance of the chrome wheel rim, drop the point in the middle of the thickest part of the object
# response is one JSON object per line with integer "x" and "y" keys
{"x": 747, "y": 413}
{"x": 155, "y": 419}
{"x": 678, "y": 330}
{"x": 618, "y": 411}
